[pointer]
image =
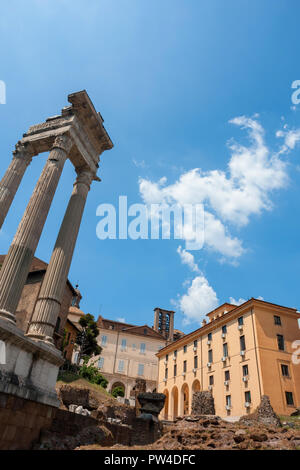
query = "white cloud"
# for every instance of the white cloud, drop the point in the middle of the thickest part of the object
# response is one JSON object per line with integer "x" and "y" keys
{"x": 121, "y": 320}
{"x": 241, "y": 300}
{"x": 237, "y": 302}
{"x": 199, "y": 300}
{"x": 139, "y": 164}
{"x": 291, "y": 138}
{"x": 187, "y": 258}
{"x": 231, "y": 197}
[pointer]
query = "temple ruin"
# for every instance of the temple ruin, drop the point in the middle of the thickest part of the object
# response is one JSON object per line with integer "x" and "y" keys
{"x": 77, "y": 134}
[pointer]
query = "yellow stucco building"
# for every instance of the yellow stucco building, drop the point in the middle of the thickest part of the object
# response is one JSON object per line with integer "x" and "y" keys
{"x": 239, "y": 354}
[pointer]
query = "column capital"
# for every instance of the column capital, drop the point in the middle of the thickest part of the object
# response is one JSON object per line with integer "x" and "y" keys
{"x": 85, "y": 176}
{"x": 23, "y": 152}
{"x": 63, "y": 142}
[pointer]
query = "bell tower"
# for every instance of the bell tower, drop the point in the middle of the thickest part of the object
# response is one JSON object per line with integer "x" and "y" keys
{"x": 164, "y": 323}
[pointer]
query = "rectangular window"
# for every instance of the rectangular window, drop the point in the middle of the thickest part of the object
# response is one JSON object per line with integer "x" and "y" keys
{"x": 100, "y": 362}
{"x": 175, "y": 353}
{"x": 227, "y": 375}
{"x": 103, "y": 340}
{"x": 166, "y": 373}
{"x": 224, "y": 329}
{"x": 225, "y": 350}
{"x": 121, "y": 366}
{"x": 141, "y": 369}
{"x": 195, "y": 343}
{"x": 167, "y": 357}
{"x": 280, "y": 342}
{"x": 143, "y": 348}
{"x": 285, "y": 370}
{"x": 211, "y": 380}
{"x": 195, "y": 362}
{"x": 289, "y": 398}
{"x": 123, "y": 345}
{"x": 242, "y": 343}
{"x": 134, "y": 347}
{"x": 228, "y": 400}
{"x": 210, "y": 355}
{"x": 277, "y": 320}
{"x": 245, "y": 370}
{"x": 175, "y": 370}
{"x": 240, "y": 321}
{"x": 209, "y": 337}
{"x": 184, "y": 349}
{"x": 248, "y": 397}
{"x": 184, "y": 366}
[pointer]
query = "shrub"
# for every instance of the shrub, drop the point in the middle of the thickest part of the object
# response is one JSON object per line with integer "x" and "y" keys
{"x": 118, "y": 392}
{"x": 92, "y": 374}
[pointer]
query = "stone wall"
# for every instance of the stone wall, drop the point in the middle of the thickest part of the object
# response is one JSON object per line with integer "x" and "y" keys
{"x": 21, "y": 422}
{"x": 25, "y": 424}
{"x": 145, "y": 432}
{"x": 203, "y": 404}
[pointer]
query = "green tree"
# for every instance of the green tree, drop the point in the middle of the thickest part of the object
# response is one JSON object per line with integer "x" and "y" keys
{"x": 87, "y": 338}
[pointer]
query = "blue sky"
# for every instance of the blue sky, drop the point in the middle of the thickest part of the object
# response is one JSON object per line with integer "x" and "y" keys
{"x": 167, "y": 76}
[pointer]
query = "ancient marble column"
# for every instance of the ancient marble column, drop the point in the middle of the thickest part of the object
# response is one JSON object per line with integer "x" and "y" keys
{"x": 54, "y": 284}
{"x": 12, "y": 178}
{"x": 16, "y": 266}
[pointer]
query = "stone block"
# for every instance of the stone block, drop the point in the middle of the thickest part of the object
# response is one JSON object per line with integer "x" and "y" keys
{"x": 23, "y": 363}
{"x": 18, "y": 404}
{"x": 5, "y": 415}
{"x": 3, "y": 400}
{"x": 18, "y": 418}
{"x": 9, "y": 432}
{"x": 30, "y": 421}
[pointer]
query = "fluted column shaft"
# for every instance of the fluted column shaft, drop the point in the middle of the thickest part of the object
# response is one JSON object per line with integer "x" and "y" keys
{"x": 54, "y": 284}
{"x": 12, "y": 179}
{"x": 16, "y": 266}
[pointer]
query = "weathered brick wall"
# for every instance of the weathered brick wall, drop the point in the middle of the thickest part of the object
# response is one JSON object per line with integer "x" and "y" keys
{"x": 145, "y": 432}
{"x": 21, "y": 421}
{"x": 27, "y": 302}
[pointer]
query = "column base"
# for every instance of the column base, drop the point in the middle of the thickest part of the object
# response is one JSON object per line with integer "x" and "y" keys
{"x": 8, "y": 316}
{"x": 45, "y": 339}
{"x": 30, "y": 367}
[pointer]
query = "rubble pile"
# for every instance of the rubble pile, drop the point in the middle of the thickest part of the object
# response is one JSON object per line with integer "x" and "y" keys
{"x": 210, "y": 432}
{"x": 203, "y": 403}
{"x": 264, "y": 414}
